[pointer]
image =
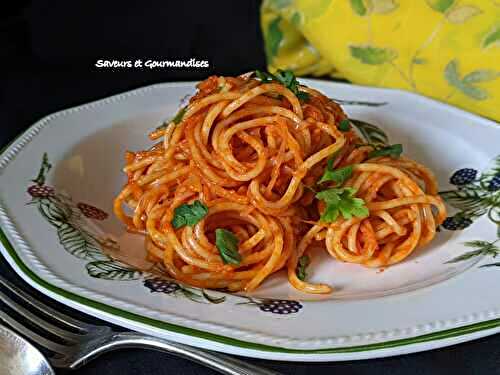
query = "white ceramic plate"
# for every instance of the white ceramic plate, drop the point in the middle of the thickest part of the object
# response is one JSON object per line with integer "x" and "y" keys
{"x": 420, "y": 304}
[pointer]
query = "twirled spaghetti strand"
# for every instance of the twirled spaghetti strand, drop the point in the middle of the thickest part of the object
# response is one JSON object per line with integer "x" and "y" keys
{"x": 252, "y": 153}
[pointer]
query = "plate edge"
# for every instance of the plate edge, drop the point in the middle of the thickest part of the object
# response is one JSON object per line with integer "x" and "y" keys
{"x": 13, "y": 257}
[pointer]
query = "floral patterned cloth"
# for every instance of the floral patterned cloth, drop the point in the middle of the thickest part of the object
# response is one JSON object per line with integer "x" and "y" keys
{"x": 445, "y": 49}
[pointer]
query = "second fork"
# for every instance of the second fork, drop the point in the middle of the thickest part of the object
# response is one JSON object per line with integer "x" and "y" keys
{"x": 73, "y": 342}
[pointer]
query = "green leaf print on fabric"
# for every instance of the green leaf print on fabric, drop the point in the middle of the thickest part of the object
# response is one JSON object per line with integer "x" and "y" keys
{"x": 451, "y": 73}
{"x": 452, "y": 13}
{"x": 273, "y": 38}
{"x": 314, "y": 9}
{"x": 481, "y": 75}
{"x": 465, "y": 85}
{"x": 373, "y": 55}
{"x": 384, "y": 6}
{"x": 419, "y": 61}
{"x": 359, "y": 7}
{"x": 462, "y": 13}
{"x": 296, "y": 20}
{"x": 366, "y": 7}
{"x": 440, "y": 5}
{"x": 280, "y": 3}
{"x": 492, "y": 38}
{"x": 475, "y": 92}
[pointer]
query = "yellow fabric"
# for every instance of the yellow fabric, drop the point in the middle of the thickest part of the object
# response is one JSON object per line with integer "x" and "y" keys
{"x": 445, "y": 49}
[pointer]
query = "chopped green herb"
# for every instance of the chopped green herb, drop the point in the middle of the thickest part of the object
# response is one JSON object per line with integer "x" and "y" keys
{"x": 339, "y": 176}
{"x": 329, "y": 164}
{"x": 341, "y": 201}
{"x": 286, "y": 78}
{"x": 344, "y": 125}
{"x": 394, "y": 151}
{"x": 180, "y": 115}
{"x": 227, "y": 244}
{"x": 332, "y": 158}
{"x": 176, "y": 119}
{"x": 301, "y": 95}
{"x": 304, "y": 261}
{"x": 264, "y": 77}
{"x": 189, "y": 214}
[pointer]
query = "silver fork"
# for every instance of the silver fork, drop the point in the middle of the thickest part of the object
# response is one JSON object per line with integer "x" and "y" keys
{"x": 79, "y": 342}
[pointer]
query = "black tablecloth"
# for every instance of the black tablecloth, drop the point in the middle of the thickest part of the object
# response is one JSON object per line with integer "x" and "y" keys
{"x": 48, "y": 52}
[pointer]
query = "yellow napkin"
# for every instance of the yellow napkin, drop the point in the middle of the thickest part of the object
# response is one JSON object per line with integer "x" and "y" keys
{"x": 445, "y": 49}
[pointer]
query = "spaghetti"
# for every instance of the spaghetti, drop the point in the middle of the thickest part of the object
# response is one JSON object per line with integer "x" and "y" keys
{"x": 244, "y": 160}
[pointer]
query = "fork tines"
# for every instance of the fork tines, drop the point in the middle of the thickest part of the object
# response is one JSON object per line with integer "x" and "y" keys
{"x": 42, "y": 324}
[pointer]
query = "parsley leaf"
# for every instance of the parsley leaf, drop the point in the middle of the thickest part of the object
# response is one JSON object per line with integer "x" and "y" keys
{"x": 286, "y": 78}
{"x": 176, "y": 119}
{"x": 329, "y": 163}
{"x": 344, "y": 125}
{"x": 264, "y": 77}
{"x": 301, "y": 95}
{"x": 304, "y": 261}
{"x": 394, "y": 151}
{"x": 339, "y": 176}
{"x": 341, "y": 201}
{"x": 227, "y": 244}
{"x": 189, "y": 214}
{"x": 179, "y": 115}
{"x": 332, "y": 159}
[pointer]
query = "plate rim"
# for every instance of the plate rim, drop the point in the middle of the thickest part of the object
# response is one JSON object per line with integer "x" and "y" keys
{"x": 484, "y": 328}
{"x": 8, "y": 250}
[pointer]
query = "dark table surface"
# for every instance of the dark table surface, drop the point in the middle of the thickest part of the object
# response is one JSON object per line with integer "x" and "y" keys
{"x": 48, "y": 51}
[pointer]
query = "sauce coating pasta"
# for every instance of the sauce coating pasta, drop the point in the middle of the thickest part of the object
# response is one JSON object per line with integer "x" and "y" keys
{"x": 251, "y": 152}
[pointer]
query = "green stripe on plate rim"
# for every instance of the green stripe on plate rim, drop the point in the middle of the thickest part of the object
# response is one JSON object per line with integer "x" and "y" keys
{"x": 453, "y": 332}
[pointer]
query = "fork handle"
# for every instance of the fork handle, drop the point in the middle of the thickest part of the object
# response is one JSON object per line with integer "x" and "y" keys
{"x": 219, "y": 362}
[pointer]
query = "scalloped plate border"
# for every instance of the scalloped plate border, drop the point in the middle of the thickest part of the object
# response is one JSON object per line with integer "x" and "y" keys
{"x": 480, "y": 327}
